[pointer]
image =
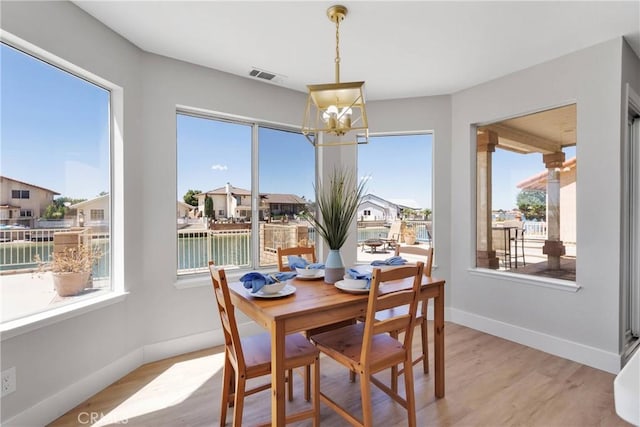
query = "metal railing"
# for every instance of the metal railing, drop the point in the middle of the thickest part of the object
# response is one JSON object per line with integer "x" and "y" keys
{"x": 225, "y": 247}
{"x": 18, "y": 249}
{"x": 422, "y": 229}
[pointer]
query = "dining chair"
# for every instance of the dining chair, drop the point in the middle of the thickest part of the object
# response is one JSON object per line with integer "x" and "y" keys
{"x": 250, "y": 357}
{"x": 308, "y": 252}
{"x": 368, "y": 348}
{"x": 424, "y": 255}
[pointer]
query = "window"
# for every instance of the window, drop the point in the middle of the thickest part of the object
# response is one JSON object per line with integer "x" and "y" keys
{"x": 215, "y": 176}
{"x": 43, "y": 103}
{"x": 526, "y": 194}
{"x": 285, "y": 190}
{"x": 630, "y": 254}
{"x": 399, "y": 198}
{"x": 19, "y": 194}
{"x": 97, "y": 214}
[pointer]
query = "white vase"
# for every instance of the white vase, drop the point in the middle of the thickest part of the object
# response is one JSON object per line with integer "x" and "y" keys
{"x": 333, "y": 267}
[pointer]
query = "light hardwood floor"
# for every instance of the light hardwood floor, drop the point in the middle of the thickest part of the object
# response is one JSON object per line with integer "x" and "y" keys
{"x": 489, "y": 382}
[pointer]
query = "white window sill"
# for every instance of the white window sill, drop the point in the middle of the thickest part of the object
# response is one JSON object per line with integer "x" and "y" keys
{"x": 544, "y": 282}
{"x": 30, "y": 323}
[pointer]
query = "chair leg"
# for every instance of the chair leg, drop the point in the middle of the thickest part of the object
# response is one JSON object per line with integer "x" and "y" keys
{"x": 307, "y": 383}
{"x": 290, "y": 384}
{"x": 239, "y": 400}
{"x": 226, "y": 389}
{"x": 424, "y": 328}
{"x": 365, "y": 395}
{"x": 315, "y": 385}
{"x": 394, "y": 369}
{"x": 409, "y": 392}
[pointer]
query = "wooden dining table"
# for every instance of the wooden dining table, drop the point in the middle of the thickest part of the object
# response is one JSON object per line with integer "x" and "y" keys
{"x": 314, "y": 304}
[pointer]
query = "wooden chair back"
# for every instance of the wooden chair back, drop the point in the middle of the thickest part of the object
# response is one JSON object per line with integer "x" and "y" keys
{"x": 309, "y": 252}
{"x": 423, "y": 254}
{"x": 403, "y": 322}
{"x": 226, "y": 310}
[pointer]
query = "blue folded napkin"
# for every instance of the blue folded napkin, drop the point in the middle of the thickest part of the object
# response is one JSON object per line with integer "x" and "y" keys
{"x": 359, "y": 275}
{"x": 394, "y": 260}
{"x": 316, "y": 266}
{"x": 299, "y": 262}
{"x": 296, "y": 262}
{"x": 255, "y": 281}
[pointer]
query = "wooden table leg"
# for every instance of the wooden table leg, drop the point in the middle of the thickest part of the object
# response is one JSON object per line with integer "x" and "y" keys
{"x": 438, "y": 340}
{"x": 277, "y": 375}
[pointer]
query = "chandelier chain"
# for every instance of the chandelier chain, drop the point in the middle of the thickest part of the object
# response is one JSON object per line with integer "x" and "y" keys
{"x": 338, "y": 50}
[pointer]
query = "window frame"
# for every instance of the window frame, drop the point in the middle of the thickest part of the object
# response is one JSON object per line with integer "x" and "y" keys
{"x": 255, "y": 125}
{"x": 115, "y": 106}
{"x": 472, "y": 267}
{"x": 93, "y": 214}
{"x": 431, "y": 134}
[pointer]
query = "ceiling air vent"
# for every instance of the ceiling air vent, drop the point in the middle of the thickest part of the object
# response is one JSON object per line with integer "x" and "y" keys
{"x": 265, "y": 75}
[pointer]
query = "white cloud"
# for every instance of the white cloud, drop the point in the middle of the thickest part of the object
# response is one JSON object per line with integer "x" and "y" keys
{"x": 219, "y": 167}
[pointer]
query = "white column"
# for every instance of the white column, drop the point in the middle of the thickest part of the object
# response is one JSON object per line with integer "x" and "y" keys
{"x": 553, "y": 246}
{"x": 485, "y": 145}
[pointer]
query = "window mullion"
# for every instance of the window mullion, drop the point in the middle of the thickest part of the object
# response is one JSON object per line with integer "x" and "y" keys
{"x": 255, "y": 197}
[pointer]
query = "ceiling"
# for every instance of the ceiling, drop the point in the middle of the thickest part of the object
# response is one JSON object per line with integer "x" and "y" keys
{"x": 544, "y": 132}
{"x": 401, "y": 49}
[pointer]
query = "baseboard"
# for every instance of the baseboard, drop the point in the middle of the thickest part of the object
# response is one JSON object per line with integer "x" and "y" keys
{"x": 586, "y": 355}
{"x": 68, "y": 398}
{"x": 60, "y": 403}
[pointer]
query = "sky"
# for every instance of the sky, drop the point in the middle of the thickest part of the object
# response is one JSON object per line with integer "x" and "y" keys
{"x": 509, "y": 169}
{"x": 54, "y": 133}
{"x": 212, "y": 153}
{"x": 54, "y": 130}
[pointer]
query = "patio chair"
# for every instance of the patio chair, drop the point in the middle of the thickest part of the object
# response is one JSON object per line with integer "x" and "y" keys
{"x": 502, "y": 245}
{"x": 393, "y": 236}
{"x": 367, "y": 348}
{"x": 517, "y": 236}
{"x": 238, "y": 368}
{"x": 426, "y": 256}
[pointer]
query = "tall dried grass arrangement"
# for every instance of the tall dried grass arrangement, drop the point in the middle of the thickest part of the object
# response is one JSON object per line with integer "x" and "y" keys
{"x": 338, "y": 204}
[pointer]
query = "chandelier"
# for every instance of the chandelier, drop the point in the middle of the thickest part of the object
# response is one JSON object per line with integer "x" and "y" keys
{"x": 336, "y": 109}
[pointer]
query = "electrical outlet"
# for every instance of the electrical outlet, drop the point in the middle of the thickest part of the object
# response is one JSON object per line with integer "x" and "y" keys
{"x": 8, "y": 381}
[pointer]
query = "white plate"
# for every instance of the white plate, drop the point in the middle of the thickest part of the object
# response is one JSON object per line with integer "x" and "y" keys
{"x": 340, "y": 285}
{"x": 287, "y": 290}
{"x": 319, "y": 275}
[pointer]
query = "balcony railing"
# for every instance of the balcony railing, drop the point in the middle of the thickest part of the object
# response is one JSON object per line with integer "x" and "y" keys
{"x": 225, "y": 247}
{"x": 18, "y": 249}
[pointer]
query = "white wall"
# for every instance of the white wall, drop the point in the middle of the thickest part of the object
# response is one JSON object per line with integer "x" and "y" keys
{"x": 55, "y": 357}
{"x": 174, "y": 313}
{"x": 581, "y": 325}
